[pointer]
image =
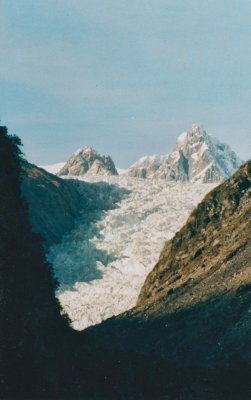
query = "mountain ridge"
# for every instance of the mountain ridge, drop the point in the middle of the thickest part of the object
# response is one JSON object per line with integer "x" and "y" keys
{"x": 196, "y": 156}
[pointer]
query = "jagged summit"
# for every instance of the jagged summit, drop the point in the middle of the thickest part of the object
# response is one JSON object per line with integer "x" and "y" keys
{"x": 86, "y": 161}
{"x": 196, "y": 157}
{"x": 85, "y": 150}
{"x": 195, "y": 134}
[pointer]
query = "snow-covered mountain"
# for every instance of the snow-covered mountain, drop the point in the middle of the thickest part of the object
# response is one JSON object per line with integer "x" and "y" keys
{"x": 196, "y": 157}
{"x": 87, "y": 162}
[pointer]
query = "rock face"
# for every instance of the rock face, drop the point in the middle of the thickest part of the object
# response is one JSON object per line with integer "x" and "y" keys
{"x": 54, "y": 203}
{"x": 195, "y": 157}
{"x": 87, "y": 162}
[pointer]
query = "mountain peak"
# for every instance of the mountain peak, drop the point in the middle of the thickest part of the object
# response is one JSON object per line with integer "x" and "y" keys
{"x": 85, "y": 149}
{"x": 196, "y": 157}
{"x": 87, "y": 162}
{"x": 196, "y": 131}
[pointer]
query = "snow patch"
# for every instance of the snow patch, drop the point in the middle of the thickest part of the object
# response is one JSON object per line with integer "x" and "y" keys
{"x": 203, "y": 148}
{"x": 146, "y": 161}
{"x": 175, "y": 155}
{"x": 198, "y": 154}
{"x": 202, "y": 173}
{"x": 121, "y": 170}
{"x": 182, "y": 137}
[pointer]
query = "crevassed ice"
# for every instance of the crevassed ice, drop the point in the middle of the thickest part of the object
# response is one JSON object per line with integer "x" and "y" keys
{"x": 102, "y": 264}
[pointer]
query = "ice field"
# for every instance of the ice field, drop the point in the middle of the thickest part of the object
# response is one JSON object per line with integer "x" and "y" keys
{"x": 102, "y": 263}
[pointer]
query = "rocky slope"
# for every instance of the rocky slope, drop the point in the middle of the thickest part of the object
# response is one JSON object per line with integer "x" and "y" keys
{"x": 54, "y": 203}
{"x": 201, "y": 254}
{"x": 87, "y": 162}
{"x": 195, "y": 157}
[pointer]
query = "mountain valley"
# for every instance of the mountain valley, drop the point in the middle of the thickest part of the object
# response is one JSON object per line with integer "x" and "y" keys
{"x": 119, "y": 224}
{"x": 102, "y": 263}
{"x": 187, "y": 335}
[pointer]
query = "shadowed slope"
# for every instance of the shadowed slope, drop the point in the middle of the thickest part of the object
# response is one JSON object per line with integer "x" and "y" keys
{"x": 54, "y": 203}
{"x": 32, "y": 330}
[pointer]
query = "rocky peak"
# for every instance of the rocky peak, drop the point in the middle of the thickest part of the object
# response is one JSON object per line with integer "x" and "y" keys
{"x": 209, "y": 160}
{"x": 86, "y": 150}
{"x": 87, "y": 162}
{"x": 196, "y": 157}
{"x": 192, "y": 136}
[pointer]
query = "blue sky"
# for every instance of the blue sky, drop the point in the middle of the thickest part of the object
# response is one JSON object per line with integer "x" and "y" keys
{"x": 124, "y": 76}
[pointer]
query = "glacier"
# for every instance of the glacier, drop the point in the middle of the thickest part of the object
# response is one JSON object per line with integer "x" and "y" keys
{"x": 102, "y": 263}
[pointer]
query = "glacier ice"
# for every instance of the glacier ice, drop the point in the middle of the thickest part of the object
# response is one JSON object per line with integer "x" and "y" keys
{"x": 102, "y": 263}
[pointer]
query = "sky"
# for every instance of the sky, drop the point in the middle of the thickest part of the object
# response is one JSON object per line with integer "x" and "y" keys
{"x": 124, "y": 76}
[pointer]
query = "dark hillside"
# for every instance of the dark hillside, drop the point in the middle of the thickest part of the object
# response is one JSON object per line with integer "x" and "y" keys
{"x": 54, "y": 203}
{"x": 30, "y": 319}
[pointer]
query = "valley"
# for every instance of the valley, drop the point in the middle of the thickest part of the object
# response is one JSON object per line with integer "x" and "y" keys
{"x": 183, "y": 330}
{"x": 125, "y": 200}
{"x": 102, "y": 263}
